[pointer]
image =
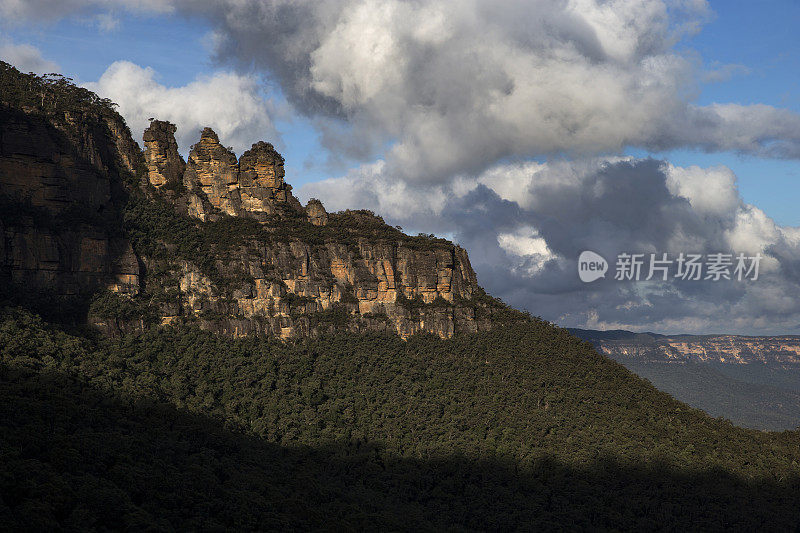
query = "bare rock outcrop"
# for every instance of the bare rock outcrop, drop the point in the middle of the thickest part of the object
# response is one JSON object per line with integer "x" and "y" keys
{"x": 363, "y": 274}
{"x": 212, "y": 177}
{"x": 261, "y": 182}
{"x": 218, "y": 184}
{"x": 165, "y": 166}
{"x": 385, "y": 285}
{"x": 75, "y": 221}
{"x": 316, "y": 213}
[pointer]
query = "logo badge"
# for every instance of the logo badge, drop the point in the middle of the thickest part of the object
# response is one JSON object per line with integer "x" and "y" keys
{"x": 591, "y": 266}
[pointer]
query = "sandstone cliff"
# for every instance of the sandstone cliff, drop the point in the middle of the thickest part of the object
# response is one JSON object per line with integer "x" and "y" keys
{"x": 61, "y": 168}
{"x": 165, "y": 166}
{"x": 782, "y": 350}
{"x": 298, "y": 270}
{"x": 216, "y": 240}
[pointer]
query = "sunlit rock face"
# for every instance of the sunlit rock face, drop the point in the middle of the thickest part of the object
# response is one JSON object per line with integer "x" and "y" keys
{"x": 218, "y": 183}
{"x": 727, "y": 349}
{"x": 165, "y": 166}
{"x": 220, "y": 242}
{"x": 261, "y": 180}
{"x": 371, "y": 285}
{"x": 316, "y": 213}
{"x": 375, "y": 283}
{"x": 212, "y": 178}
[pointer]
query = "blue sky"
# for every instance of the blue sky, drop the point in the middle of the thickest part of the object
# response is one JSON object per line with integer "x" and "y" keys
{"x": 763, "y": 38}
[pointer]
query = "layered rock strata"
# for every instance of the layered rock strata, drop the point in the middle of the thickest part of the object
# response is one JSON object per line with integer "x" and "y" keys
{"x": 59, "y": 226}
{"x": 216, "y": 182}
{"x": 83, "y": 211}
{"x": 165, "y": 165}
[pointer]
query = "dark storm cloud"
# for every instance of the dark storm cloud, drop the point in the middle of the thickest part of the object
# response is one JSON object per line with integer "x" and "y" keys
{"x": 525, "y": 249}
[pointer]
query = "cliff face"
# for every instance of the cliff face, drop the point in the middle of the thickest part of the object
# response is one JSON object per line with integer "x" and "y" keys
{"x": 216, "y": 182}
{"x": 298, "y": 273}
{"x": 374, "y": 286}
{"x": 728, "y": 349}
{"x": 60, "y": 174}
{"x": 165, "y": 166}
{"x": 215, "y": 240}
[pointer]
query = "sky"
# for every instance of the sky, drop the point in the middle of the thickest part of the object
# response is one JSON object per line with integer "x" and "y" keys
{"x": 526, "y": 131}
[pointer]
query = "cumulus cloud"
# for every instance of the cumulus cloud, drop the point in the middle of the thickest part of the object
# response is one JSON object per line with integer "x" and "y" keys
{"x": 502, "y": 124}
{"x": 25, "y": 57}
{"x": 455, "y": 86}
{"x": 232, "y": 104}
{"x": 524, "y": 242}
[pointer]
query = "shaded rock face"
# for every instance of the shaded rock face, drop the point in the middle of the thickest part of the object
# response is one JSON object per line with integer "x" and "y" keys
{"x": 165, "y": 166}
{"x": 60, "y": 187}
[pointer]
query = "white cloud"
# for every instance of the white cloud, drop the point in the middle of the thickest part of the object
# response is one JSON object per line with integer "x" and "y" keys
{"x": 371, "y": 187}
{"x": 25, "y": 57}
{"x": 455, "y": 87}
{"x": 526, "y": 243}
{"x": 451, "y": 100}
{"x": 709, "y": 190}
{"x": 233, "y": 105}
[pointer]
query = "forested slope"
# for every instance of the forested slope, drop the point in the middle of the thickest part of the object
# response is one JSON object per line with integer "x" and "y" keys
{"x": 517, "y": 427}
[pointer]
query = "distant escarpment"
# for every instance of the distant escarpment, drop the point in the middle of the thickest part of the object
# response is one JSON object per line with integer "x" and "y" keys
{"x": 95, "y": 228}
{"x": 783, "y": 350}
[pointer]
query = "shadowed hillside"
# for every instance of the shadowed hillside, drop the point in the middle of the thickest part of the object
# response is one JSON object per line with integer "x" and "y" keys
{"x": 514, "y": 428}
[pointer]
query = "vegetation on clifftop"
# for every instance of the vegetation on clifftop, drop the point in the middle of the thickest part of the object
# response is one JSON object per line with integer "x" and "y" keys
{"x": 51, "y": 94}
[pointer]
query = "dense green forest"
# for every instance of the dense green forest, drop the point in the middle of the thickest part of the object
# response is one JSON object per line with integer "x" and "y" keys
{"x": 520, "y": 427}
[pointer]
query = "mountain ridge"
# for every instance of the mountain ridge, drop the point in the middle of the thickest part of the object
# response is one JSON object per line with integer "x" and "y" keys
{"x": 520, "y": 425}
{"x": 139, "y": 237}
{"x": 753, "y": 381}
{"x": 725, "y": 348}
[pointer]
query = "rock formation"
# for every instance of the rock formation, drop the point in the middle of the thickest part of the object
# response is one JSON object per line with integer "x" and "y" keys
{"x": 212, "y": 177}
{"x": 216, "y": 182}
{"x": 261, "y": 181}
{"x": 223, "y": 242}
{"x": 164, "y": 163}
{"x": 372, "y": 275}
{"x": 315, "y": 212}
{"x": 384, "y": 285}
{"x": 781, "y": 350}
